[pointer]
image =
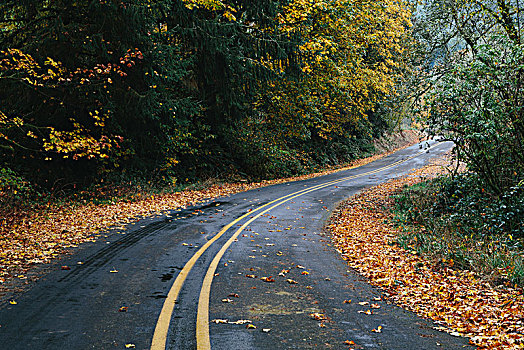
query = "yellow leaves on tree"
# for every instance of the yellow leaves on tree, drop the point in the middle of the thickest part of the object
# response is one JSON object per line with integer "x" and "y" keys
{"x": 15, "y": 64}
{"x": 77, "y": 143}
{"x": 73, "y": 139}
{"x": 212, "y": 5}
{"x": 350, "y": 55}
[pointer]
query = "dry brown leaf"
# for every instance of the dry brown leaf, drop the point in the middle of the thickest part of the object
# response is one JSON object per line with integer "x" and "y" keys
{"x": 267, "y": 279}
{"x": 218, "y": 320}
{"x": 318, "y": 316}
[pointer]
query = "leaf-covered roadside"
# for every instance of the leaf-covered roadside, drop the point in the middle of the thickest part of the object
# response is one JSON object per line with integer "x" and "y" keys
{"x": 29, "y": 237}
{"x": 459, "y": 302}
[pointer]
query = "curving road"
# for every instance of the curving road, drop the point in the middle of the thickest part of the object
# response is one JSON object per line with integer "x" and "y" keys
{"x": 192, "y": 279}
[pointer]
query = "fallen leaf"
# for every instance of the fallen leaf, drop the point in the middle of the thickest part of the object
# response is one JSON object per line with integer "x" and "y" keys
{"x": 66, "y": 268}
{"x": 12, "y": 302}
{"x": 375, "y": 306}
{"x": 251, "y": 276}
{"x": 266, "y": 330}
{"x": 217, "y": 320}
{"x": 318, "y": 316}
{"x": 347, "y": 301}
{"x": 267, "y": 279}
{"x": 283, "y": 272}
{"x": 363, "y": 303}
{"x": 123, "y": 309}
{"x": 234, "y": 295}
{"x": 130, "y": 346}
{"x": 241, "y": 322}
{"x": 227, "y": 300}
{"x": 251, "y": 326}
{"x": 114, "y": 271}
{"x": 377, "y": 330}
{"x": 368, "y": 312}
{"x": 305, "y": 273}
{"x": 290, "y": 281}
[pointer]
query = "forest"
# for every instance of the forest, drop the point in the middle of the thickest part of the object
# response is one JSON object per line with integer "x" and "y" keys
{"x": 170, "y": 92}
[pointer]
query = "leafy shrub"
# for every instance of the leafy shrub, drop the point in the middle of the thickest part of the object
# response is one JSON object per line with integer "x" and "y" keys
{"x": 13, "y": 188}
{"x": 478, "y": 105}
{"x": 455, "y": 218}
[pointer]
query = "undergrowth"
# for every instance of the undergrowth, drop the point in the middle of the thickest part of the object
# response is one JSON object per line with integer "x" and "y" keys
{"x": 455, "y": 221}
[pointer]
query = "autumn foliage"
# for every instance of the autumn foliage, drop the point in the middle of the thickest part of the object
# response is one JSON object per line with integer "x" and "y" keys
{"x": 174, "y": 90}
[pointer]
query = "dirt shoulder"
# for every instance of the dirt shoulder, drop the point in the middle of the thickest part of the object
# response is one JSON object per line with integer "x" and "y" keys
{"x": 459, "y": 302}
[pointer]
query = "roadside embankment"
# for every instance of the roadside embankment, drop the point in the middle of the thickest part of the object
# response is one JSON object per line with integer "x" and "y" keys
{"x": 460, "y": 302}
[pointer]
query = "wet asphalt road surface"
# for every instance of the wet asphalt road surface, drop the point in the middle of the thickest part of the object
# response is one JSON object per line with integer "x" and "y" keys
{"x": 79, "y": 308}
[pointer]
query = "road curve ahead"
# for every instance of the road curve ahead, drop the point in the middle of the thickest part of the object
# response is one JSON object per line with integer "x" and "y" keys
{"x": 250, "y": 271}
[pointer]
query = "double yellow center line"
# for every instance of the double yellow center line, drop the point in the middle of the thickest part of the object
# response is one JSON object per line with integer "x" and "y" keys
{"x": 202, "y": 326}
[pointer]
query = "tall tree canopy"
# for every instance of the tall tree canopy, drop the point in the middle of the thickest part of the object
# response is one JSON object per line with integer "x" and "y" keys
{"x": 193, "y": 88}
{"x": 472, "y": 73}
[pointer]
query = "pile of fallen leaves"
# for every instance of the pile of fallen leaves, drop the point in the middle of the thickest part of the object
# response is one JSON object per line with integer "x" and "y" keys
{"x": 41, "y": 235}
{"x": 460, "y": 302}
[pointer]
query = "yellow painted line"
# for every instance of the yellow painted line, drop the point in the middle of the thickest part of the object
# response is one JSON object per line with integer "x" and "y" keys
{"x": 202, "y": 323}
{"x": 162, "y": 326}
{"x": 164, "y": 319}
